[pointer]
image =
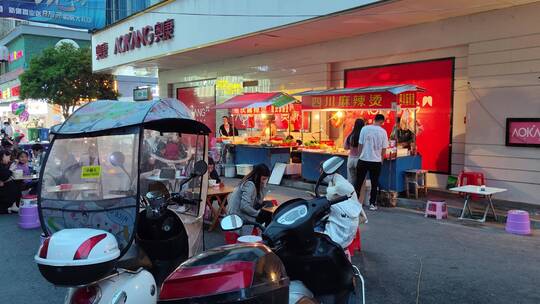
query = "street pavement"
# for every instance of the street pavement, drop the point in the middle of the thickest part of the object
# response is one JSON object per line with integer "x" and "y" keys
{"x": 405, "y": 258}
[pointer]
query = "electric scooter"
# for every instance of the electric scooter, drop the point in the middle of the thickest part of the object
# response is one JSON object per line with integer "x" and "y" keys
{"x": 108, "y": 239}
{"x": 291, "y": 264}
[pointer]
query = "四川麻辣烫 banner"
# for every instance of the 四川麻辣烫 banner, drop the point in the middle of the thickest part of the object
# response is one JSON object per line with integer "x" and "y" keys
{"x": 84, "y": 14}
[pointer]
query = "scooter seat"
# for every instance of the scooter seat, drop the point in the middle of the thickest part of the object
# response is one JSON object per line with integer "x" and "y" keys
{"x": 134, "y": 259}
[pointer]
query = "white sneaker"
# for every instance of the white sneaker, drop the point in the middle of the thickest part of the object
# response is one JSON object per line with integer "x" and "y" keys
{"x": 372, "y": 207}
{"x": 13, "y": 208}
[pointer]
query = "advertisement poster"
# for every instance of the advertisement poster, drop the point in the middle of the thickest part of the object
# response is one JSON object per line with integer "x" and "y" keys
{"x": 84, "y": 14}
{"x": 434, "y": 113}
{"x": 200, "y": 104}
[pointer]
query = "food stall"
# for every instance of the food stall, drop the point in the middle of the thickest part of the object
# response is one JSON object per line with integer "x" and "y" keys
{"x": 343, "y": 106}
{"x": 247, "y": 111}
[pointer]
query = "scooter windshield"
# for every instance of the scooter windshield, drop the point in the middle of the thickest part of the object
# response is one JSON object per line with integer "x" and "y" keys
{"x": 91, "y": 182}
{"x": 166, "y": 165}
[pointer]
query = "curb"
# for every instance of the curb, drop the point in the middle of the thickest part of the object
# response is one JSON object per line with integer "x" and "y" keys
{"x": 453, "y": 211}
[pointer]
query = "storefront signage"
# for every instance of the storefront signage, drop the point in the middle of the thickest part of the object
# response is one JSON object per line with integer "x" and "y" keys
{"x": 87, "y": 14}
{"x": 15, "y": 56}
{"x": 142, "y": 94}
{"x": 381, "y": 100}
{"x": 267, "y": 110}
{"x": 8, "y": 93}
{"x": 135, "y": 39}
{"x": 523, "y": 132}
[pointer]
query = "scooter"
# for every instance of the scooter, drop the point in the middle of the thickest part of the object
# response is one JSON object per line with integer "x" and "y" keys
{"x": 106, "y": 241}
{"x": 291, "y": 264}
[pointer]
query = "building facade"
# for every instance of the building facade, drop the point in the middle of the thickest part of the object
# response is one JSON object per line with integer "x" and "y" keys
{"x": 487, "y": 53}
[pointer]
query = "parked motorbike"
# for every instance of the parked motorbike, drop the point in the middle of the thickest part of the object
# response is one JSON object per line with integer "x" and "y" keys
{"x": 108, "y": 239}
{"x": 292, "y": 264}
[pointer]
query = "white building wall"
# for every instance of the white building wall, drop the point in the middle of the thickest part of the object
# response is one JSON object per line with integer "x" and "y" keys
{"x": 497, "y": 76}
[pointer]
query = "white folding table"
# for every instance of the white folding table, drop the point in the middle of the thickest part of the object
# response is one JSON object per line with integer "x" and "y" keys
{"x": 487, "y": 192}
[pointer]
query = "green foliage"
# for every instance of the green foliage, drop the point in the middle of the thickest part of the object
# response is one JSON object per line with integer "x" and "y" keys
{"x": 63, "y": 76}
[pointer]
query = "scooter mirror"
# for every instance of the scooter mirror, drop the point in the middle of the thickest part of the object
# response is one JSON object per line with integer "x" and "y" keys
{"x": 231, "y": 222}
{"x": 117, "y": 159}
{"x": 200, "y": 168}
{"x": 332, "y": 165}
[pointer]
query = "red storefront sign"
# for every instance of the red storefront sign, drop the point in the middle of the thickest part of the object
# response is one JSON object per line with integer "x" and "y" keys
{"x": 523, "y": 132}
{"x": 434, "y": 112}
{"x": 382, "y": 100}
{"x": 267, "y": 110}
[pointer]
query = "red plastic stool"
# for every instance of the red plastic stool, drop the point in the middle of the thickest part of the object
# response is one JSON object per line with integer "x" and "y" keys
{"x": 471, "y": 178}
{"x": 356, "y": 244}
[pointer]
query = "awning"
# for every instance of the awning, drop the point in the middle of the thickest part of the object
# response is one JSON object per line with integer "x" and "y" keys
{"x": 257, "y": 100}
{"x": 377, "y": 97}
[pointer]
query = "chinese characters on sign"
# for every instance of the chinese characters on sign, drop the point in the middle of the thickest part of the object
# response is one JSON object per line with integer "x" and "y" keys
{"x": 88, "y": 14}
{"x": 13, "y": 56}
{"x": 382, "y": 100}
{"x": 268, "y": 110}
{"x": 146, "y": 36}
{"x": 7, "y": 93}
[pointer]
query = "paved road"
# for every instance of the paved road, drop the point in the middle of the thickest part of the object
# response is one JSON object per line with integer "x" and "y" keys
{"x": 448, "y": 261}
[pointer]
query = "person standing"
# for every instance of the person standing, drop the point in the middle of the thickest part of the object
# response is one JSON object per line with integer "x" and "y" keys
{"x": 226, "y": 129}
{"x": 8, "y": 129}
{"x": 351, "y": 144}
{"x": 373, "y": 142}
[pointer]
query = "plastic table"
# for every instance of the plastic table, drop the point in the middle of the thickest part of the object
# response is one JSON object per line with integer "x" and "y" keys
{"x": 488, "y": 192}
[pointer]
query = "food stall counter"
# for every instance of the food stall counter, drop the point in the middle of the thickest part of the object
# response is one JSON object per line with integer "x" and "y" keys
{"x": 392, "y": 171}
{"x": 258, "y": 154}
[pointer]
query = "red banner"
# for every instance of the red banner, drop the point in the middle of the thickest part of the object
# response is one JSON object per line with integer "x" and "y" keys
{"x": 200, "y": 105}
{"x": 434, "y": 112}
{"x": 381, "y": 100}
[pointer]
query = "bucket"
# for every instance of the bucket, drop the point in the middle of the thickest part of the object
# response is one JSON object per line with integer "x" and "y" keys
{"x": 230, "y": 170}
{"x": 518, "y": 222}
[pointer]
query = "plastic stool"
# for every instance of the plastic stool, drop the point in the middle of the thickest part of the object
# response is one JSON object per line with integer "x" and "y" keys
{"x": 356, "y": 244}
{"x": 437, "y": 209}
{"x": 28, "y": 212}
{"x": 231, "y": 237}
{"x": 471, "y": 178}
{"x": 518, "y": 222}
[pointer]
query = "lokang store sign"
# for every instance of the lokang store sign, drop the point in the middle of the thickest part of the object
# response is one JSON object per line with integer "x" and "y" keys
{"x": 523, "y": 132}
{"x": 135, "y": 39}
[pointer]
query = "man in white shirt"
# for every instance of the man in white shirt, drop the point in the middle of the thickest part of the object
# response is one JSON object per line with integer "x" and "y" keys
{"x": 373, "y": 143}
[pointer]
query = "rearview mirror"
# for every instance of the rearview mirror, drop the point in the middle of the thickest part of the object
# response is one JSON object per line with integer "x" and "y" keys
{"x": 332, "y": 165}
{"x": 231, "y": 222}
{"x": 200, "y": 168}
{"x": 117, "y": 159}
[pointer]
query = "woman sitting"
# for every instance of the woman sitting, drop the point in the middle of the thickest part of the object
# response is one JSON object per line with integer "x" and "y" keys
{"x": 23, "y": 164}
{"x": 247, "y": 198}
{"x": 9, "y": 190}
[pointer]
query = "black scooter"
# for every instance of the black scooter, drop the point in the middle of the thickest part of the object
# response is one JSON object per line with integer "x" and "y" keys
{"x": 271, "y": 273}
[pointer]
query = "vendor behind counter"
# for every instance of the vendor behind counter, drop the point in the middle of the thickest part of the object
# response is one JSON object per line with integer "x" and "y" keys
{"x": 402, "y": 135}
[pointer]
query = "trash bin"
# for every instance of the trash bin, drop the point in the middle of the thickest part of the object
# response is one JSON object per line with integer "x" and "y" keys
{"x": 43, "y": 134}
{"x": 33, "y": 134}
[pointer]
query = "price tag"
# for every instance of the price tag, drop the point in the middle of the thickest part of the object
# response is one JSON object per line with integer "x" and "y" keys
{"x": 91, "y": 172}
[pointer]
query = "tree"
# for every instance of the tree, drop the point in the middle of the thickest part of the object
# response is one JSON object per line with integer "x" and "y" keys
{"x": 63, "y": 76}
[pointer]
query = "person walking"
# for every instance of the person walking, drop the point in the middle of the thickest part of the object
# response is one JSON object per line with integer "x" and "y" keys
{"x": 373, "y": 142}
{"x": 351, "y": 144}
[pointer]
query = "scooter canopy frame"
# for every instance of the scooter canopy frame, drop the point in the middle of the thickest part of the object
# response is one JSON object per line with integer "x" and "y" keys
{"x": 91, "y": 174}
